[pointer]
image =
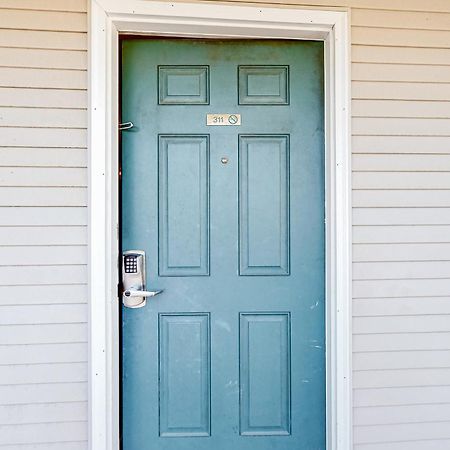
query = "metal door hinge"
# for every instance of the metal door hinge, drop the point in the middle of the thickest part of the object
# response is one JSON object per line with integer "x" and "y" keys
{"x": 125, "y": 126}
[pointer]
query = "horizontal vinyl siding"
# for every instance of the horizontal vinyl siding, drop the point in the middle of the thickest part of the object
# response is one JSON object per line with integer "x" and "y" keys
{"x": 401, "y": 240}
{"x": 43, "y": 225}
{"x": 401, "y": 221}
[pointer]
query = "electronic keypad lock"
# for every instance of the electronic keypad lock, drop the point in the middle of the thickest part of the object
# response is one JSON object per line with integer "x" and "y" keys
{"x": 134, "y": 294}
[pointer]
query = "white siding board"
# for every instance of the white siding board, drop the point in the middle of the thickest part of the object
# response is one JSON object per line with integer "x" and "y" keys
{"x": 42, "y": 78}
{"x": 401, "y": 198}
{"x": 403, "y": 360}
{"x": 401, "y": 72}
{"x": 43, "y": 176}
{"x": 325, "y": 3}
{"x": 403, "y": 288}
{"x": 400, "y": 127}
{"x": 406, "y": 163}
{"x": 401, "y": 19}
{"x": 43, "y": 255}
{"x": 397, "y": 341}
{"x": 400, "y": 37}
{"x": 52, "y": 196}
{"x": 388, "y": 181}
{"x": 49, "y": 118}
{"x": 401, "y": 432}
{"x": 41, "y": 295}
{"x": 23, "y": 236}
{"x": 401, "y": 396}
{"x": 46, "y": 5}
{"x": 43, "y": 393}
{"x": 43, "y": 374}
{"x": 43, "y": 333}
{"x": 400, "y": 55}
{"x": 74, "y": 445}
{"x": 386, "y": 415}
{"x": 43, "y": 98}
{"x": 46, "y": 432}
{"x": 42, "y": 216}
{"x": 43, "y": 353}
{"x": 401, "y": 216}
{"x": 385, "y": 90}
{"x": 29, "y": 39}
{"x": 42, "y": 157}
{"x": 394, "y": 5}
{"x": 401, "y": 109}
{"x": 402, "y": 324}
{"x": 400, "y": 378}
{"x": 400, "y": 144}
{"x": 36, "y": 58}
{"x": 401, "y": 252}
{"x": 401, "y": 306}
{"x": 397, "y": 234}
{"x": 386, "y": 270}
{"x": 43, "y": 413}
{"x": 41, "y": 275}
{"x": 43, "y": 137}
{"x": 44, "y": 313}
{"x": 43, "y": 20}
{"x": 400, "y": 5}
{"x": 408, "y": 444}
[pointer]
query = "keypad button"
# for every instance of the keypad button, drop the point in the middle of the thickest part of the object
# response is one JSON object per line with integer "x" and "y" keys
{"x": 130, "y": 264}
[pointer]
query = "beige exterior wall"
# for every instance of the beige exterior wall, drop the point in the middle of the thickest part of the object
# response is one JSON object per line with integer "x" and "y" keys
{"x": 401, "y": 223}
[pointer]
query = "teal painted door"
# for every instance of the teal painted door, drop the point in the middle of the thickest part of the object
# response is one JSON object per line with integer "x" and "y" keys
{"x": 232, "y": 354}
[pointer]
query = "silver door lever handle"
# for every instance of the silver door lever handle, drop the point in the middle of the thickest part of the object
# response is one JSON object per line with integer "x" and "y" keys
{"x": 135, "y": 293}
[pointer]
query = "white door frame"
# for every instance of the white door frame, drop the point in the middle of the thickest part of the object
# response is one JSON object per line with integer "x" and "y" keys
{"x": 109, "y": 18}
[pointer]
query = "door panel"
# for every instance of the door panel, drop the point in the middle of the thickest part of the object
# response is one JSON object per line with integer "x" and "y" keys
{"x": 184, "y": 349}
{"x": 232, "y": 353}
{"x": 183, "y": 219}
{"x": 264, "y": 205}
{"x": 265, "y": 377}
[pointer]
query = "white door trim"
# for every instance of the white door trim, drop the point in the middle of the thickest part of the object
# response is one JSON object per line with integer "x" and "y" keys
{"x": 108, "y": 18}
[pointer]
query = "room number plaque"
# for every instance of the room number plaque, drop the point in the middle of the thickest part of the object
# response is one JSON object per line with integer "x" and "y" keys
{"x": 223, "y": 119}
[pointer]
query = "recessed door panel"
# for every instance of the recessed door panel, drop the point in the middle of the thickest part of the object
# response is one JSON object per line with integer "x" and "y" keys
{"x": 183, "y": 205}
{"x": 223, "y": 189}
{"x": 184, "y": 375}
{"x": 263, "y": 85}
{"x": 265, "y": 379}
{"x": 264, "y": 204}
{"x": 183, "y": 85}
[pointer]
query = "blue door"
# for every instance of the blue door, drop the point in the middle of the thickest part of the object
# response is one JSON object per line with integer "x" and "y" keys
{"x": 223, "y": 188}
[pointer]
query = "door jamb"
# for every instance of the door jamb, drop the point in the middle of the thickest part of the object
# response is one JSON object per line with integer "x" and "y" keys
{"x": 108, "y": 18}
